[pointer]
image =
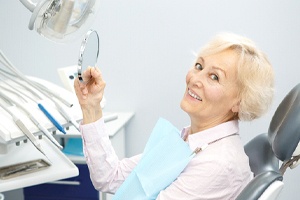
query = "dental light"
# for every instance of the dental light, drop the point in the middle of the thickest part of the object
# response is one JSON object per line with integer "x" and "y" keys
{"x": 61, "y": 20}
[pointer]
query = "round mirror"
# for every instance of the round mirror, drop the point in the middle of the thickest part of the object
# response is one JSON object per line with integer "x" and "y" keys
{"x": 88, "y": 52}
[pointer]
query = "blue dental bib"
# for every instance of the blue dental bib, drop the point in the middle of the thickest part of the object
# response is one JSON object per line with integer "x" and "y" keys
{"x": 164, "y": 158}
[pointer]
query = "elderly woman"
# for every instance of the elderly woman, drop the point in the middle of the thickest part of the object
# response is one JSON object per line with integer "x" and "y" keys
{"x": 231, "y": 80}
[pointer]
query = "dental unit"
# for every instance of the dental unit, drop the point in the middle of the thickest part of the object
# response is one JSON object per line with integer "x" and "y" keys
{"x": 29, "y": 152}
{"x": 31, "y": 108}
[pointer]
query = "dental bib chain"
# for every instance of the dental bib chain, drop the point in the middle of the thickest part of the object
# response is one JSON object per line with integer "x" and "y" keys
{"x": 199, "y": 149}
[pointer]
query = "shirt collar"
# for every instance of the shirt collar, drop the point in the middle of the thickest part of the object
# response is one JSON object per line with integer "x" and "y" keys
{"x": 204, "y": 137}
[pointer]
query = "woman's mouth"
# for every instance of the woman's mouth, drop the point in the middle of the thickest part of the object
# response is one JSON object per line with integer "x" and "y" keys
{"x": 194, "y": 95}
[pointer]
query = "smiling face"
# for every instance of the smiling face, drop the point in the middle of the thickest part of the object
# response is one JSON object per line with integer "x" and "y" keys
{"x": 211, "y": 96}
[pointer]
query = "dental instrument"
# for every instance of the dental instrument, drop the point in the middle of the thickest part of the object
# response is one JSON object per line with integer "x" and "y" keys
{"x": 25, "y": 130}
{"x": 32, "y": 118}
{"x": 40, "y": 105}
{"x": 52, "y": 119}
{"x": 10, "y": 66}
{"x": 22, "y": 168}
{"x": 62, "y": 110}
{"x": 14, "y": 146}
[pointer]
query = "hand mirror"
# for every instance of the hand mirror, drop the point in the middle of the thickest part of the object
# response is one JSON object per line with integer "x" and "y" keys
{"x": 88, "y": 54}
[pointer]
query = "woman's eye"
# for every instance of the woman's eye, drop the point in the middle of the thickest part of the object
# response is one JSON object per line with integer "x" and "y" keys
{"x": 198, "y": 66}
{"x": 214, "y": 77}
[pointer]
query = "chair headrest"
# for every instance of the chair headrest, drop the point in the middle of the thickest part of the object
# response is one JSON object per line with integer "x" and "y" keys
{"x": 284, "y": 129}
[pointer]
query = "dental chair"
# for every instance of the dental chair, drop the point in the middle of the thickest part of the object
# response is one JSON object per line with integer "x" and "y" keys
{"x": 279, "y": 145}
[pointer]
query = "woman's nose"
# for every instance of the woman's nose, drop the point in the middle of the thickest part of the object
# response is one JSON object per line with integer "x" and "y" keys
{"x": 197, "y": 79}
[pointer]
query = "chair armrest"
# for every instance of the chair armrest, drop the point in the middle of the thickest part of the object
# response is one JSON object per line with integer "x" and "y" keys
{"x": 258, "y": 185}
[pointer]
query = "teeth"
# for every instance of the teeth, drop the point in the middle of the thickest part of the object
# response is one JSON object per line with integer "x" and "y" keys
{"x": 194, "y": 95}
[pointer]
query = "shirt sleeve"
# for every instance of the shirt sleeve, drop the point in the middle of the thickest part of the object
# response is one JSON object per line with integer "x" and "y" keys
{"x": 107, "y": 172}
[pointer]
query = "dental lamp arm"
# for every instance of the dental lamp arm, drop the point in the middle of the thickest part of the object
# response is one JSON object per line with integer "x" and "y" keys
{"x": 29, "y": 4}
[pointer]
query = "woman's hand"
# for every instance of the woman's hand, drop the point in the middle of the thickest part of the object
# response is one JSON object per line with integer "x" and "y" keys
{"x": 90, "y": 93}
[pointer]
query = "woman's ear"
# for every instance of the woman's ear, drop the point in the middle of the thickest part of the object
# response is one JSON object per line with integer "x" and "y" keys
{"x": 236, "y": 107}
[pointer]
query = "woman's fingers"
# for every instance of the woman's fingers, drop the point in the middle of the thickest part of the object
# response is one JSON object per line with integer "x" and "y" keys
{"x": 80, "y": 89}
{"x": 94, "y": 88}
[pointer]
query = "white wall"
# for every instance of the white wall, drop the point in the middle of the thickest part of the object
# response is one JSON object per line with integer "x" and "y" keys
{"x": 146, "y": 49}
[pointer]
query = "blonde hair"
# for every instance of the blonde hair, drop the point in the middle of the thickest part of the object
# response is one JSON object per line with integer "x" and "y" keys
{"x": 255, "y": 76}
